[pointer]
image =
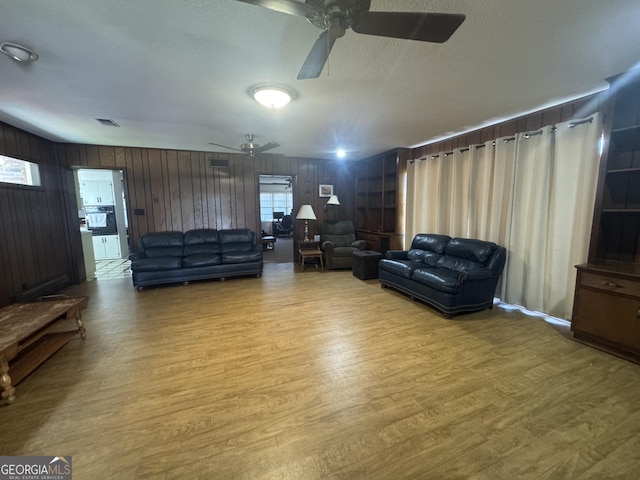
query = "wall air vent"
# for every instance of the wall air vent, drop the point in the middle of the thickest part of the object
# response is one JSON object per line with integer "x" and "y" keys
{"x": 107, "y": 122}
{"x": 218, "y": 163}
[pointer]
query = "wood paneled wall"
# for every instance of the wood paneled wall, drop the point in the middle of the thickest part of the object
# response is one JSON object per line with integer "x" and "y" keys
{"x": 576, "y": 109}
{"x": 165, "y": 190}
{"x": 179, "y": 190}
{"x": 176, "y": 190}
{"x": 35, "y": 244}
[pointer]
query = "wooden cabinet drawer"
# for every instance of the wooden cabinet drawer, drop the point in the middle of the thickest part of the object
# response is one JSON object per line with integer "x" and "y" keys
{"x": 610, "y": 284}
{"x": 609, "y": 317}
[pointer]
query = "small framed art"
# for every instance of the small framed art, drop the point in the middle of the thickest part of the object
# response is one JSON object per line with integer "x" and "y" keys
{"x": 325, "y": 190}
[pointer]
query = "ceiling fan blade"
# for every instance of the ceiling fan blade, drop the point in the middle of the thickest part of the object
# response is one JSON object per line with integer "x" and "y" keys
{"x": 265, "y": 147}
{"x": 425, "y": 27}
{"x": 224, "y": 146}
{"x": 291, "y": 7}
{"x": 313, "y": 65}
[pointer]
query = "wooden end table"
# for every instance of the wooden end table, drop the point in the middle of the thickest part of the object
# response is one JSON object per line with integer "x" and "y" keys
{"x": 309, "y": 254}
{"x": 30, "y": 334}
{"x": 309, "y": 250}
{"x": 268, "y": 242}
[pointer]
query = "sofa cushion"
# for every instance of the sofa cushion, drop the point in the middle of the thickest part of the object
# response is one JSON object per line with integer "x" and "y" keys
{"x": 424, "y": 256}
{"x": 202, "y": 249}
{"x": 344, "y": 251}
{"x": 156, "y": 264}
{"x": 340, "y": 240}
{"x": 470, "y": 249}
{"x": 458, "y": 264}
{"x": 430, "y": 242}
{"x": 441, "y": 279}
{"x": 162, "y": 239}
{"x": 200, "y": 236}
{"x": 162, "y": 244}
{"x": 201, "y": 260}
{"x": 242, "y": 257}
{"x": 402, "y": 268}
{"x": 341, "y": 227}
{"x": 236, "y": 240}
{"x": 164, "y": 252}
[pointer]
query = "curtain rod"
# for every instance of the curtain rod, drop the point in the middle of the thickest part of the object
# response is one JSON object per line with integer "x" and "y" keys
{"x": 575, "y": 123}
{"x": 531, "y": 134}
{"x": 482, "y": 145}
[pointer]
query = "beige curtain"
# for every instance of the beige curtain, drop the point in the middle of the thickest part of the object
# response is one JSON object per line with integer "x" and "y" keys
{"x": 571, "y": 204}
{"x": 427, "y": 197}
{"x": 458, "y": 194}
{"x": 532, "y": 193}
{"x": 523, "y": 278}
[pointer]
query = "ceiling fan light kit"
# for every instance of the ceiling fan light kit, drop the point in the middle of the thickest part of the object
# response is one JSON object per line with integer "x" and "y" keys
{"x": 272, "y": 97}
{"x": 334, "y": 17}
{"x": 18, "y": 53}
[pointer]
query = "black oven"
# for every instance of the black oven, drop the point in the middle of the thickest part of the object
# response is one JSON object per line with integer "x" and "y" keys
{"x": 101, "y": 220}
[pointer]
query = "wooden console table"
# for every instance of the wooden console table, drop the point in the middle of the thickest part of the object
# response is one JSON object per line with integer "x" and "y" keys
{"x": 30, "y": 333}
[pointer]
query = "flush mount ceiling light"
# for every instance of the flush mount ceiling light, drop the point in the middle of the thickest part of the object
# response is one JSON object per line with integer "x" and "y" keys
{"x": 18, "y": 52}
{"x": 272, "y": 97}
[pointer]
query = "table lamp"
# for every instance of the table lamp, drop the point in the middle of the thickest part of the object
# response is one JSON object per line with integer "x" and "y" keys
{"x": 333, "y": 200}
{"x": 306, "y": 213}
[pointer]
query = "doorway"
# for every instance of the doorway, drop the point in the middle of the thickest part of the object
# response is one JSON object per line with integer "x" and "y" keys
{"x": 276, "y": 216}
{"x": 104, "y": 225}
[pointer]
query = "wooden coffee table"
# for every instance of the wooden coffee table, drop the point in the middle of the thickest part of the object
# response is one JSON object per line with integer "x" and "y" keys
{"x": 32, "y": 332}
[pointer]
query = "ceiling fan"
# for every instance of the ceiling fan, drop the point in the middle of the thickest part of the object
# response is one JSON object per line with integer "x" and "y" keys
{"x": 334, "y": 17}
{"x": 250, "y": 148}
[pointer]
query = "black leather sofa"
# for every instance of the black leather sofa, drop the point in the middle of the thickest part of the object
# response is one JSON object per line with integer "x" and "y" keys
{"x": 171, "y": 257}
{"x": 452, "y": 275}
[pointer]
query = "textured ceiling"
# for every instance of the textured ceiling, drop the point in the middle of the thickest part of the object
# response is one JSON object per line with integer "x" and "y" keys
{"x": 177, "y": 74}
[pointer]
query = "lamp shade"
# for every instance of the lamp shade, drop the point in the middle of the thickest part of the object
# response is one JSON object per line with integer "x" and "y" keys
{"x": 333, "y": 200}
{"x": 306, "y": 213}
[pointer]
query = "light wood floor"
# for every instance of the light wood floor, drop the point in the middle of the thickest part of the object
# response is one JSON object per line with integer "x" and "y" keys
{"x": 319, "y": 375}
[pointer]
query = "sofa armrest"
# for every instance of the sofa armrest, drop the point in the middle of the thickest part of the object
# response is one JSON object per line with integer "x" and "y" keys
{"x": 360, "y": 244}
{"x": 397, "y": 255}
{"x": 327, "y": 246}
{"x": 479, "y": 274}
{"x": 137, "y": 256}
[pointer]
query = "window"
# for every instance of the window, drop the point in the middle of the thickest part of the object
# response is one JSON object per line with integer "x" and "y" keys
{"x": 19, "y": 172}
{"x": 274, "y": 202}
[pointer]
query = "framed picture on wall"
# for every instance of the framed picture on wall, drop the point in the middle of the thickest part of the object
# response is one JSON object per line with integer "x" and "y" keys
{"x": 325, "y": 190}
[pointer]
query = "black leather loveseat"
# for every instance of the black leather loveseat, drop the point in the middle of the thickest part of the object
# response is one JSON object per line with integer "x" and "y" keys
{"x": 170, "y": 257}
{"x": 453, "y": 275}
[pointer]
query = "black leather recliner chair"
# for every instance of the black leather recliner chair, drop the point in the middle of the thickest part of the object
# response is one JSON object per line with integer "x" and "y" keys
{"x": 284, "y": 228}
{"x": 338, "y": 242}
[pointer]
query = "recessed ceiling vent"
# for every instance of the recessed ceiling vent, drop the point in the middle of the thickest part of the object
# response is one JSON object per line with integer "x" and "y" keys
{"x": 218, "y": 162}
{"x": 107, "y": 122}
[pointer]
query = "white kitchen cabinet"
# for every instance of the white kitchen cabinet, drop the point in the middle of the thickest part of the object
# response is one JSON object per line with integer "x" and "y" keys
{"x": 106, "y": 247}
{"x": 97, "y": 192}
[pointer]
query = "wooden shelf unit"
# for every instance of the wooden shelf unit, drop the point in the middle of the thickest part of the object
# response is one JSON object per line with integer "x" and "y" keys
{"x": 377, "y": 201}
{"x": 606, "y": 311}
